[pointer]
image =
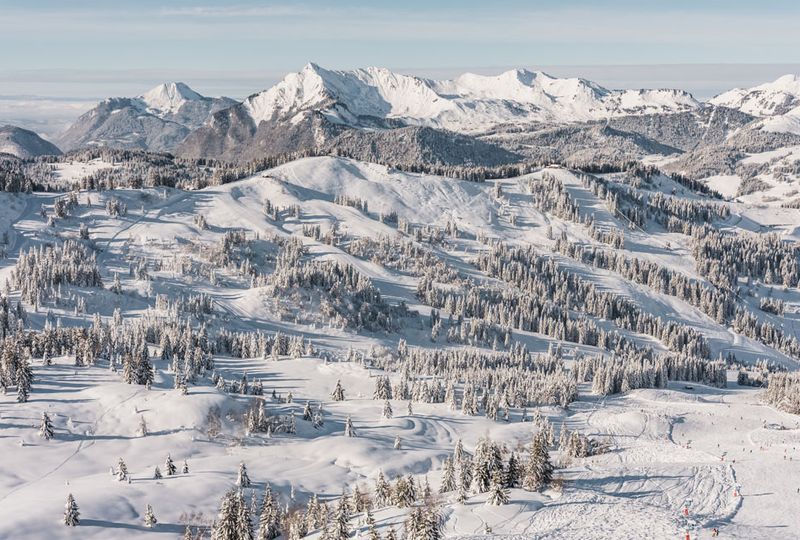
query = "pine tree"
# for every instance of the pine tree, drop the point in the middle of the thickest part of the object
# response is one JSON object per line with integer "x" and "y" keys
{"x": 383, "y": 491}
{"x": 243, "y": 480}
{"x": 170, "y": 467}
{"x": 244, "y": 523}
{"x": 448, "y": 476}
{"x": 122, "y": 470}
{"x": 185, "y": 469}
{"x": 341, "y": 521}
{"x": 157, "y": 474}
{"x": 403, "y": 493}
{"x": 268, "y": 526}
{"x": 372, "y": 532}
{"x": 497, "y": 493}
{"x": 349, "y": 431}
{"x": 142, "y": 427}
{"x": 397, "y": 444}
{"x": 149, "y": 517}
{"x": 387, "y": 410}
{"x": 46, "y": 427}
{"x": 226, "y": 526}
{"x": 338, "y": 392}
{"x": 24, "y": 380}
{"x": 538, "y": 470}
{"x": 71, "y": 513}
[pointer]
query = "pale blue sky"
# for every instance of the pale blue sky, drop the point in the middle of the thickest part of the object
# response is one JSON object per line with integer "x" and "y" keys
{"x": 85, "y": 48}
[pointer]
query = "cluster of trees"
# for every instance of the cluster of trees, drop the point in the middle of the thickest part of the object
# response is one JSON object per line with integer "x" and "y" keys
{"x": 332, "y": 236}
{"x": 12, "y": 315}
{"x": 258, "y": 420}
{"x": 676, "y": 214}
{"x": 717, "y": 304}
{"x": 347, "y": 297}
{"x": 783, "y": 391}
{"x": 550, "y": 196}
{"x": 404, "y": 255}
{"x": 40, "y": 271}
{"x": 475, "y": 381}
{"x": 276, "y": 213}
{"x": 196, "y": 305}
{"x": 354, "y": 202}
{"x": 747, "y": 324}
{"x": 260, "y": 344}
{"x": 543, "y": 298}
{"x": 625, "y": 372}
{"x": 265, "y": 518}
{"x": 723, "y": 257}
{"x": 15, "y": 369}
{"x": 116, "y": 208}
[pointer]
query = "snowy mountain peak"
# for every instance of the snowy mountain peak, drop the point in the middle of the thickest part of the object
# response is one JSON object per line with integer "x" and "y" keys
{"x": 169, "y": 97}
{"x": 769, "y": 99}
{"x": 470, "y": 103}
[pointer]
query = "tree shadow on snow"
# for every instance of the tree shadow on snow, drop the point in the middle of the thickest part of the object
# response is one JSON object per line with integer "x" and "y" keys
{"x": 170, "y": 528}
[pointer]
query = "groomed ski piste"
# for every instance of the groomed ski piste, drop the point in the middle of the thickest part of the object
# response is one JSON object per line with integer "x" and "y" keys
{"x": 681, "y": 460}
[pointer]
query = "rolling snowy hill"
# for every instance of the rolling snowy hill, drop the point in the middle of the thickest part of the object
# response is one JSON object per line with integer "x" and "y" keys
{"x": 328, "y": 325}
{"x": 23, "y": 143}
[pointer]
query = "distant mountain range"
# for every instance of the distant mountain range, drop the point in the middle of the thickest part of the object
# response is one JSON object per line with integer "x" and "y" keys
{"x": 376, "y": 114}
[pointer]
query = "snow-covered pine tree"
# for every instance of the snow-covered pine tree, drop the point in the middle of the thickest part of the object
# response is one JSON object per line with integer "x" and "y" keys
{"x": 142, "y": 431}
{"x": 341, "y": 521}
{"x": 268, "y": 521}
{"x": 71, "y": 513}
{"x": 372, "y": 532}
{"x": 46, "y": 427}
{"x": 150, "y": 520}
{"x": 448, "y": 476}
{"x": 122, "y": 470}
{"x": 538, "y": 471}
{"x": 24, "y": 380}
{"x": 349, "y": 431}
{"x": 383, "y": 491}
{"x": 512, "y": 472}
{"x": 244, "y": 523}
{"x": 242, "y": 479}
{"x": 226, "y": 527}
{"x": 338, "y": 392}
{"x": 387, "y": 410}
{"x": 497, "y": 492}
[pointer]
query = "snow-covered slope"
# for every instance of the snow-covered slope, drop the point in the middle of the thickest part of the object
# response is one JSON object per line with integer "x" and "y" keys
{"x": 24, "y": 144}
{"x": 201, "y": 267}
{"x": 158, "y": 120}
{"x": 469, "y": 104}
